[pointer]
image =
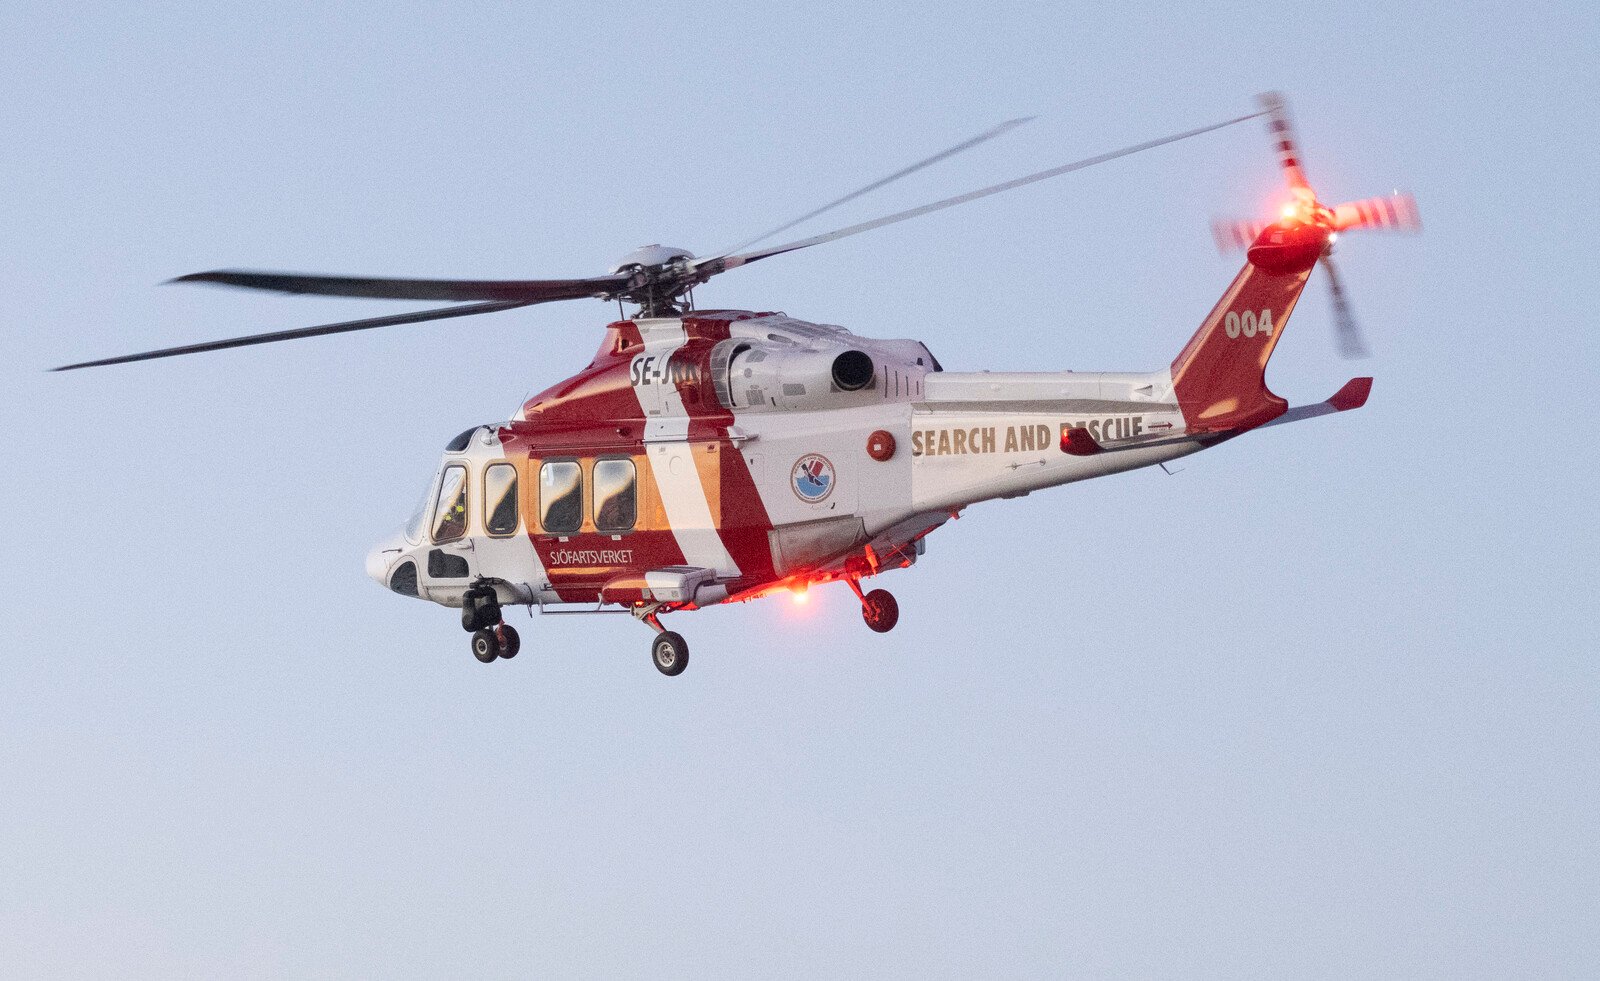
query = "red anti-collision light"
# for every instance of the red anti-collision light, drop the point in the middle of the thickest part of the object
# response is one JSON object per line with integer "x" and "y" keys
{"x": 880, "y": 445}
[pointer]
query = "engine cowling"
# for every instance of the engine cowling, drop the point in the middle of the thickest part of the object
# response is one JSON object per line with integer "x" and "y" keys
{"x": 771, "y": 376}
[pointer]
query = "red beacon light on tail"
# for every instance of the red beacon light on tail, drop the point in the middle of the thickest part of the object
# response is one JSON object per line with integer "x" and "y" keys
{"x": 1289, "y": 246}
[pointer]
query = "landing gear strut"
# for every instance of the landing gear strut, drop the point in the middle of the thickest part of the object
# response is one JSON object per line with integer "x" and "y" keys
{"x": 492, "y": 637}
{"x": 878, "y": 608}
{"x": 480, "y": 608}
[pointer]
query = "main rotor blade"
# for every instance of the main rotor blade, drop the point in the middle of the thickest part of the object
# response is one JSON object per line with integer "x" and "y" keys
{"x": 418, "y": 316}
{"x": 499, "y": 290}
{"x": 707, "y": 268}
{"x": 985, "y": 136}
{"x": 1351, "y": 344}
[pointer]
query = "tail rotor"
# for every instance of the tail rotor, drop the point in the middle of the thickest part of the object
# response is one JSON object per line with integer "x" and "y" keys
{"x": 1396, "y": 212}
{"x": 1351, "y": 342}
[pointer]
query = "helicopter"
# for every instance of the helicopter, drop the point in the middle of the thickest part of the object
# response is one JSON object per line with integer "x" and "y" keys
{"x": 710, "y": 456}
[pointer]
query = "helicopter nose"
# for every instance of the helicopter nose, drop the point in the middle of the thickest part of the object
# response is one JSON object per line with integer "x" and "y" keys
{"x": 382, "y": 555}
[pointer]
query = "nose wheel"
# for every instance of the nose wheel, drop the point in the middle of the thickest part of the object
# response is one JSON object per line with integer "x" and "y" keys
{"x": 485, "y": 646}
{"x": 500, "y": 640}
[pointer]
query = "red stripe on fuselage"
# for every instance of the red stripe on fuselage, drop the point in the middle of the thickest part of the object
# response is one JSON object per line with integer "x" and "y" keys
{"x": 596, "y": 413}
{"x": 745, "y": 523}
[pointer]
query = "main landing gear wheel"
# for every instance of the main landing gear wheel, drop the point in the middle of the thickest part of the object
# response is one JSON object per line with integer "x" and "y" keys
{"x": 485, "y": 645}
{"x": 510, "y": 643}
{"x": 670, "y": 653}
{"x": 880, "y": 610}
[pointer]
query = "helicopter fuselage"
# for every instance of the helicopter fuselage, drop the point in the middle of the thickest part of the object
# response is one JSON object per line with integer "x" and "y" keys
{"x": 721, "y": 455}
{"x": 706, "y": 457}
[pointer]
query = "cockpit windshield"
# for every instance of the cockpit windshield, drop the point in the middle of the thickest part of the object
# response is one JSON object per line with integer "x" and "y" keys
{"x": 419, "y": 517}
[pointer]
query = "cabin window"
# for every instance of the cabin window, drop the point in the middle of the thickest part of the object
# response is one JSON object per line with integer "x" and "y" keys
{"x": 443, "y": 565}
{"x": 561, "y": 497}
{"x": 615, "y": 498}
{"x": 500, "y": 499}
{"x": 450, "y": 508}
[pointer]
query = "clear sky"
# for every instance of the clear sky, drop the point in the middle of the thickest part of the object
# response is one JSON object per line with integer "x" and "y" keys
{"x": 1324, "y": 704}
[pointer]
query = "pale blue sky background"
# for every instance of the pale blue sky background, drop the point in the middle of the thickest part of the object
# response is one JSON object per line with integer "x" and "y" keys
{"x": 1322, "y": 705}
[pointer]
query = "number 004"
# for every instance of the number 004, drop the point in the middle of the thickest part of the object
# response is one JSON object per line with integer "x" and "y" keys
{"x": 1247, "y": 323}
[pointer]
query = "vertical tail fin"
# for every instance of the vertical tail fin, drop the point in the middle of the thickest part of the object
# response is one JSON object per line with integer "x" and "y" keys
{"x": 1220, "y": 376}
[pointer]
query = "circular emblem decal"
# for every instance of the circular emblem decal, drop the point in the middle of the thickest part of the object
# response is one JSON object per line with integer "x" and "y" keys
{"x": 812, "y": 478}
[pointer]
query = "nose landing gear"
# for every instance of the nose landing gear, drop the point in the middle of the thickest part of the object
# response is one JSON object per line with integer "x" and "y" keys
{"x": 492, "y": 637}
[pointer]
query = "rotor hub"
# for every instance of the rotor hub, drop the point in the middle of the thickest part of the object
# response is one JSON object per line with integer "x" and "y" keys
{"x": 660, "y": 276}
{"x": 647, "y": 256}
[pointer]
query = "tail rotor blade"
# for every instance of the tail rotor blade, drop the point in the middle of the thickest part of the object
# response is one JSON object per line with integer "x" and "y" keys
{"x": 1351, "y": 343}
{"x": 1283, "y": 136}
{"x": 1235, "y": 236}
{"x": 1397, "y": 212}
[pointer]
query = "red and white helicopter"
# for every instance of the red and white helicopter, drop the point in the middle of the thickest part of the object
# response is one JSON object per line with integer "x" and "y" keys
{"x": 714, "y": 456}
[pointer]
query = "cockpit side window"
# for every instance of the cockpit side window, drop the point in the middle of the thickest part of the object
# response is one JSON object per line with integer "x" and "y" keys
{"x": 561, "y": 497}
{"x": 615, "y": 497}
{"x": 500, "y": 499}
{"x": 450, "y": 508}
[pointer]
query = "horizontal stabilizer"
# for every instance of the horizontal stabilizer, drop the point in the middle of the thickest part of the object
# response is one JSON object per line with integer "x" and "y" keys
{"x": 1078, "y": 442}
{"x": 1352, "y": 396}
